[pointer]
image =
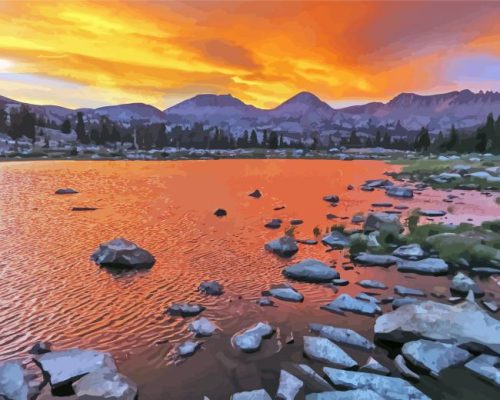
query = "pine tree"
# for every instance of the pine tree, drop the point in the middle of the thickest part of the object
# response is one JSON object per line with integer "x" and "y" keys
{"x": 161, "y": 138}
{"x": 386, "y": 141}
{"x": 453, "y": 139}
{"x": 81, "y": 135}
{"x": 253, "y": 139}
{"x": 3, "y": 120}
{"x": 281, "y": 141}
{"x": 354, "y": 139}
{"x": 264, "y": 139}
{"x": 423, "y": 141}
{"x": 481, "y": 139}
{"x": 66, "y": 126}
{"x": 378, "y": 139}
{"x": 273, "y": 140}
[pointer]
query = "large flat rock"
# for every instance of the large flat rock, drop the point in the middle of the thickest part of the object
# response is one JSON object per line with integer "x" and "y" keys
{"x": 342, "y": 335}
{"x": 311, "y": 270}
{"x": 387, "y": 387}
{"x": 322, "y": 349}
{"x": 344, "y": 302}
{"x": 358, "y": 394}
{"x": 466, "y": 325}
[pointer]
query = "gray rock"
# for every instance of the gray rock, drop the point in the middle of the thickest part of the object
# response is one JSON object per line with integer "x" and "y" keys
{"x": 188, "y": 348}
{"x": 375, "y": 221}
{"x": 406, "y": 291}
{"x": 311, "y": 270}
{"x": 465, "y": 325}
{"x": 66, "y": 191}
{"x": 462, "y": 284}
{"x": 66, "y": 366}
{"x": 377, "y": 183}
{"x": 411, "y": 252}
{"x": 358, "y": 394}
{"x": 367, "y": 297}
{"x": 322, "y": 349}
{"x": 256, "y": 194}
{"x": 202, "y": 327}
{"x": 310, "y": 242}
{"x": 273, "y": 224}
{"x": 358, "y": 218}
{"x": 374, "y": 366}
{"x": 265, "y": 302}
{"x": 331, "y": 198}
{"x": 284, "y": 246}
{"x": 121, "y": 253}
{"x": 185, "y": 309}
{"x": 434, "y": 356}
{"x": 387, "y": 387}
{"x": 396, "y": 303}
{"x": 212, "y": 288}
{"x": 491, "y": 305}
{"x": 380, "y": 260}
{"x": 13, "y": 385}
{"x": 296, "y": 222}
{"x": 41, "y": 347}
{"x": 487, "y": 270}
{"x": 382, "y": 204}
{"x": 259, "y": 394}
{"x": 286, "y": 292}
{"x": 487, "y": 367}
{"x": 432, "y": 213}
{"x": 403, "y": 369}
{"x": 340, "y": 282}
{"x": 220, "y": 212}
{"x": 427, "y": 266}
{"x": 313, "y": 382}
{"x": 371, "y": 284}
{"x": 342, "y": 335}
{"x": 344, "y": 302}
{"x": 250, "y": 339}
{"x": 105, "y": 384}
{"x": 336, "y": 240}
{"x": 289, "y": 386}
{"x": 398, "y": 191}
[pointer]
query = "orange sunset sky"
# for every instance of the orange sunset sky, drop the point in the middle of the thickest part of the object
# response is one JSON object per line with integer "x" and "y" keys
{"x": 89, "y": 54}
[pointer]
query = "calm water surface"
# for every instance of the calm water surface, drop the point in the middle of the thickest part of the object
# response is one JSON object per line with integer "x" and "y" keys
{"x": 50, "y": 290}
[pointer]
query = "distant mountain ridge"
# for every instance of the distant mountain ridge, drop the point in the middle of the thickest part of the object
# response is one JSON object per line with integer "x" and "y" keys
{"x": 301, "y": 114}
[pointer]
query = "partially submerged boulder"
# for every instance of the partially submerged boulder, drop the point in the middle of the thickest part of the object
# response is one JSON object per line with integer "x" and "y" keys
{"x": 13, "y": 384}
{"x": 336, "y": 240}
{"x": 285, "y": 292}
{"x": 202, "y": 327}
{"x": 426, "y": 266}
{"x": 121, "y": 253}
{"x": 375, "y": 367}
{"x": 462, "y": 284}
{"x": 105, "y": 384}
{"x": 185, "y": 309}
{"x": 371, "y": 284}
{"x": 466, "y": 325}
{"x": 344, "y": 302}
{"x": 342, "y": 335}
{"x": 432, "y": 356}
{"x": 398, "y": 191}
{"x": 220, "y": 212}
{"x": 387, "y": 387}
{"x": 322, "y": 349}
{"x": 66, "y": 366}
{"x": 379, "y": 220}
{"x": 410, "y": 252}
{"x": 331, "y": 198}
{"x": 250, "y": 339}
{"x": 65, "y": 191}
{"x": 212, "y": 288}
{"x": 285, "y": 246}
{"x": 380, "y": 260}
{"x": 256, "y": 194}
{"x": 188, "y": 348}
{"x": 311, "y": 270}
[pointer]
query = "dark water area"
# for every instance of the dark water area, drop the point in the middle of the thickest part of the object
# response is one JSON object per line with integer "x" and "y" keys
{"x": 50, "y": 290}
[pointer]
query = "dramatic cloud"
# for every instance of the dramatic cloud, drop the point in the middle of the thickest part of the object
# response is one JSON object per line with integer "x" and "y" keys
{"x": 84, "y": 53}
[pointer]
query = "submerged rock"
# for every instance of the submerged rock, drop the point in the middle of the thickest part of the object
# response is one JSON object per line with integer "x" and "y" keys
{"x": 398, "y": 191}
{"x": 462, "y": 284}
{"x": 309, "y": 242}
{"x": 289, "y": 386}
{"x": 283, "y": 247}
{"x": 212, "y": 288}
{"x": 344, "y": 302}
{"x": 296, "y": 222}
{"x": 105, "y": 384}
{"x": 377, "y": 183}
{"x": 188, "y": 348}
{"x": 434, "y": 356}
{"x": 259, "y": 394}
{"x": 465, "y": 325}
{"x": 403, "y": 369}
{"x": 65, "y": 191}
{"x": 331, "y": 198}
{"x": 273, "y": 224}
{"x": 411, "y": 252}
{"x": 41, "y": 347}
{"x": 311, "y": 270}
{"x": 256, "y": 194}
{"x": 312, "y": 381}
{"x": 374, "y": 366}
{"x": 379, "y": 260}
{"x": 427, "y": 266}
{"x": 220, "y": 212}
{"x": 342, "y": 335}
{"x": 13, "y": 385}
{"x": 285, "y": 292}
{"x": 405, "y": 291}
{"x": 322, "y": 349}
{"x": 122, "y": 253}
{"x": 185, "y": 309}
{"x": 66, "y": 366}
{"x": 387, "y": 387}
{"x": 375, "y": 221}
{"x": 371, "y": 284}
{"x": 336, "y": 240}
{"x": 265, "y": 302}
{"x": 202, "y": 327}
{"x": 487, "y": 367}
{"x": 250, "y": 339}
{"x": 358, "y": 394}
{"x": 432, "y": 213}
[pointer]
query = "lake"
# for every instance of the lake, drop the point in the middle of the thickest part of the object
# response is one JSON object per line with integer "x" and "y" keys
{"x": 50, "y": 290}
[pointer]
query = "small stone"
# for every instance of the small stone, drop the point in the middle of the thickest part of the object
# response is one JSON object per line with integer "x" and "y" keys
{"x": 212, "y": 288}
{"x": 311, "y": 270}
{"x": 41, "y": 348}
{"x": 220, "y": 212}
{"x": 289, "y": 386}
{"x": 296, "y": 222}
{"x": 284, "y": 246}
{"x": 185, "y": 309}
{"x": 285, "y": 292}
{"x": 342, "y": 335}
{"x": 344, "y": 302}
{"x": 187, "y": 349}
{"x": 250, "y": 339}
{"x": 66, "y": 191}
{"x": 371, "y": 284}
{"x": 340, "y": 282}
{"x": 256, "y": 194}
{"x": 405, "y": 291}
{"x": 403, "y": 369}
{"x": 374, "y": 366}
{"x": 265, "y": 302}
{"x": 403, "y": 302}
{"x": 331, "y": 198}
{"x": 273, "y": 224}
{"x": 410, "y": 252}
{"x": 202, "y": 327}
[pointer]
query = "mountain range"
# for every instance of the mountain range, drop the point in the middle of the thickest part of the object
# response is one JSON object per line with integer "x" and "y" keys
{"x": 302, "y": 113}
